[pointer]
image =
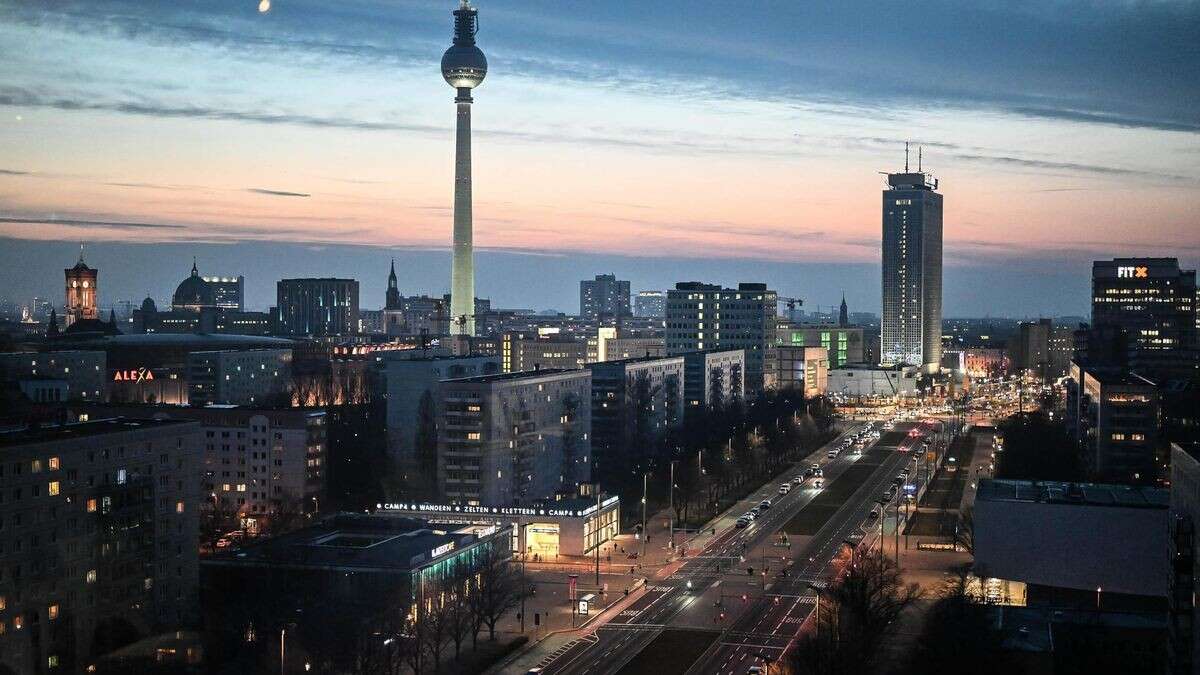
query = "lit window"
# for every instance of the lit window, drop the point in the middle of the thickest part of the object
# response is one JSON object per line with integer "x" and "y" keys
{"x": 35, "y": 466}
{"x": 91, "y": 506}
{"x": 52, "y": 488}
{"x": 52, "y": 612}
{"x": 178, "y": 507}
{"x": 3, "y": 603}
{"x": 91, "y": 576}
{"x": 54, "y": 464}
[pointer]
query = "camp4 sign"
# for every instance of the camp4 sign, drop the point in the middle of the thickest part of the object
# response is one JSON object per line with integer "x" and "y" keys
{"x": 133, "y": 375}
{"x": 1133, "y": 272}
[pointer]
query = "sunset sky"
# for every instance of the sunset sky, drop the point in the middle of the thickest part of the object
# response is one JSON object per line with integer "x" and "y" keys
{"x": 726, "y": 139}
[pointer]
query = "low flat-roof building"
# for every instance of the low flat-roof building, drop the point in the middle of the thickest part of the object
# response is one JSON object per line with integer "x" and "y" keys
{"x": 1073, "y": 544}
{"x": 567, "y": 527}
{"x": 864, "y": 381}
{"x": 336, "y": 582}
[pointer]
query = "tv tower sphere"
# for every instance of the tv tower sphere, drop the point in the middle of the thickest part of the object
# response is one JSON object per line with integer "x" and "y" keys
{"x": 464, "y": 65}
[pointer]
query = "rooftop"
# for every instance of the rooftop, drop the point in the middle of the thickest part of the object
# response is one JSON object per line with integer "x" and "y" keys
{"x": 356, "y": 541}
{"x": 519, "y": 375}
{"x": 1083, "y": 494}
{"x": 1117, "y": 376}
{"x": 188, "y": 339}
{"x": 66, "y": 432}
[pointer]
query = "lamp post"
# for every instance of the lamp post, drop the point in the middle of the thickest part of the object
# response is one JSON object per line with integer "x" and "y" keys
{"x": 882, "y": 517}
{"x": 645, "y": 532}
{"x": 671, "y": 505}
{"x": 596, "y": 529}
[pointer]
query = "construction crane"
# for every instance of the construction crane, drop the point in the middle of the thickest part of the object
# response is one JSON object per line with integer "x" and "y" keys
{"x": 792, "y": 303}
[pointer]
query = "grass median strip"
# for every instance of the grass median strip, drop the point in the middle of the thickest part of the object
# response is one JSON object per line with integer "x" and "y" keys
{"x": 671, "y": 653}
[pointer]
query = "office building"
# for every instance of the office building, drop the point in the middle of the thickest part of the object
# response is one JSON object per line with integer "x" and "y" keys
{"x": 81, "y": 372}
{"x": 463, "y": 67}
{"x": 317, "y": 307}
{"x": 603, "y": 298}
{"x": 1148, "y": 308}
{"x": 704, "y": 316}
{"x": 100, "y": 532}
{"x": 514, "y": 438}
{"x": 713, "y": 378}
{"x": 410, "y": 388}
{"x": 1114, "y": 415}
{"x": 804, "y": 369}
{"x": 911, "y": 329}
{"x": 554, "y": 351}
{"x": 1029, "y": 349}
{"x": 619, "y": 348}
{"x": 240, "y": 377}
{"x": 844, "y": 344}
{"x": 633, "y": 403}
{"x": 650, "y": 304}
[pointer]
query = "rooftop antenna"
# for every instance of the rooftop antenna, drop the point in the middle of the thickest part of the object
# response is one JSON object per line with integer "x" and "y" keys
{"x": 919, "y": 149}
{"x": 905, "y": 156}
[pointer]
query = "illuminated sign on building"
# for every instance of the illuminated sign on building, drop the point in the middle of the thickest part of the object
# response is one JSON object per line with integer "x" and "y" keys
{"x": 133, "y": 375}
{"x": 494, "y": 510}
{"x": 442, "y": 550}
{"x": 1133, "y": 272}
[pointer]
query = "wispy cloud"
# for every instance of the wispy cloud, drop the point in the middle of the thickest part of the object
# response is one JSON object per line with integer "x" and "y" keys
{"x": 92, "y": 223}
{"x": 277, "y": 193}
{"x": 10, "y": 172}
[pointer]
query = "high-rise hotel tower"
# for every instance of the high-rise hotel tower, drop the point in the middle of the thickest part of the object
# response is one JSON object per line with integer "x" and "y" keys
{"x": 911, "y": 331}
{"x": 463, "y": 67}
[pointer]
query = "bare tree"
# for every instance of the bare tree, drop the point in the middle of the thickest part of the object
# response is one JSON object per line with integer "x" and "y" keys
{"x": 459, "y": 617}
{"x": 856, "y": 614}
{"x": 501, "y": 587}
{"x": 964, "y": 530}
{"x": 436, "y": 623}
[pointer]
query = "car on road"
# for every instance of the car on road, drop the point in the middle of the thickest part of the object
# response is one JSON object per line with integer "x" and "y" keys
{"x": 785, "y": 488}
{"x": 887, "y": 496}
{"x": 798, "y": 480}
{"x": 764, "y": 504}
{"x": 819, "y": 483}
{"x": 831, "y": 454}
{"x": 819, "y": 473}
{"x": 742, "y": 522}
{"x": 873, "y": 514}
{"x": 815, "y": 467}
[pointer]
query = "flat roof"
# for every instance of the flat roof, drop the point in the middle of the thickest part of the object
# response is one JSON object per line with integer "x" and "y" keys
{"x": 634, "y": 359}
{"x": 356, "y": 541}
{"x": 519, "y": 375}
{"x": 1083, "y": 494}
{"x": 64, "y": 432}
{"x": 186, "y": 339}
{"x": 1115, "y": 377}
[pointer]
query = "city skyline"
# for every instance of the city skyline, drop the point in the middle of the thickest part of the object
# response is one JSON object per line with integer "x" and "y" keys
{"x": 695, "y": 160}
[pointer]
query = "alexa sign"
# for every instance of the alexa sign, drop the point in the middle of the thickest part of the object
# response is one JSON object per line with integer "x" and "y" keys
{"x": 1139, "y": 272}
{"x": 134, "y": 375}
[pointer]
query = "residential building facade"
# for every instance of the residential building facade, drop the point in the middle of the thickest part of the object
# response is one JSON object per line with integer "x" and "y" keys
{"x": 705, "y": 316}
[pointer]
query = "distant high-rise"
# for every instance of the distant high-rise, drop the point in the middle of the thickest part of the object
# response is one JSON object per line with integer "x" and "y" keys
{"x": 317, "y": 307}
{"x": 1147, "y": 307}
{"x": 604, "y": 296}
{"x": 650, "y": 303}
{"x": 463, "y": 67}
{"x": 81, "y": 291}
{"x": 912, "y": 271}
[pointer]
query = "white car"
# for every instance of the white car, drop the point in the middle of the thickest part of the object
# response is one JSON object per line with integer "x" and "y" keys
{"x": 819, "y": 483}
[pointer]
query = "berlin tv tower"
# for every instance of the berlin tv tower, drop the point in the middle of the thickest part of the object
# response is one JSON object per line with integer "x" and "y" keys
{"x": 463, "y": 67}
